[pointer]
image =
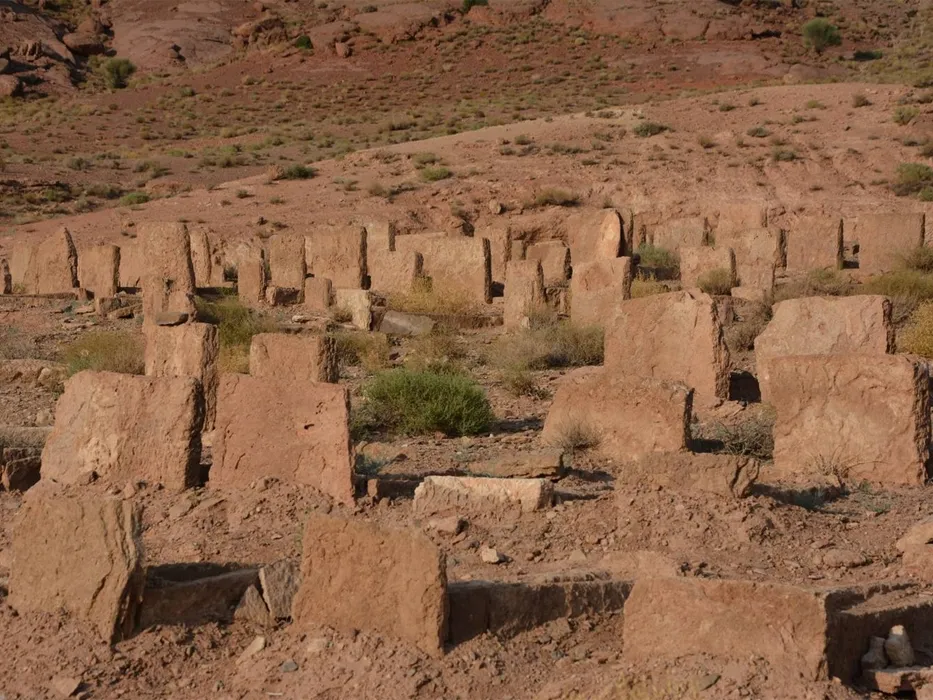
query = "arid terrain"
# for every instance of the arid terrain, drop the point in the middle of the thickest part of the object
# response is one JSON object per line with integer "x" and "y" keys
{"x": 521, "y": 349}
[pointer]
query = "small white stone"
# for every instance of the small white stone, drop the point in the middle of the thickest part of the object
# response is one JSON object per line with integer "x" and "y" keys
{"x": 898, "y": 647}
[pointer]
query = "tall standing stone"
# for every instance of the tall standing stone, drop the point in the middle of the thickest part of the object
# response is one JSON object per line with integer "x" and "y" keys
{"x": 53, "y": 267}
{"x": 287, "y": 262}
{"x": 338, "y": 255}
{"x": 99, "y": 270}
{"x": 168, "y": 277}
{"x": 597, "y": 289}
{"x": 524, "y": 292}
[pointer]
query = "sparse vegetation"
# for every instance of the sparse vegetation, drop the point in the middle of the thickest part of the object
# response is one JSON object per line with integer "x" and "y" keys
{"x": 740, "y": 335}
{"x": 134, "y": 199}
{"x": 905, "y": 114}
{"x": 105, "y": 351}
{"x": 439, "y": 351}
{"x": 717, "y": 282}
{"x": 435, "y": 173}
{"x": 647, "y": 285}
{"x": 575, "y": 436}
{"x": 116, "y": 72}
{"x": 16, "y": 345}
{"x": 906, "y": 288}
{"x": 303, "y": 42}
{"x": 912, "y": 178}
{"x": 420, "y": 402}
{"x": 548, "y": 345}
{"x": 361, "y": 349}
{"x": 296, "y": 171}
{"x": 758, "y": 132}
{"x": 236, "y": 326}
{"x": 819, "y": 34}
{"x": 816, "y": 283}
{"x": 752, "y": 437}
{"x": 917, "y": 336}
{"x": 648, "y": 128}
{"x": 919, "y": 259}
{"x": 859, "y": 99}
{"x": 425, "y": 299}
{"x": 554, "y": 197}
{"x": 658, "y": 259}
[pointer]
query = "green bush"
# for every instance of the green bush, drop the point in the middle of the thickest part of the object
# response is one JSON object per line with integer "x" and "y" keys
{"x": 717, "y": 282}
{"x": 435, "y": 173}
{"x": 105, "y": 351}
{"x": 645, "y": 129}
{"x": 116, "y": 72}
{"x": 303, "y": 42}
{"x": 819, "y": 34}
{"x": 133, "y": 198}
{"x": 904, "y": 115}
{"x": 418, "y": 402}
{"x": 917, "y": 337}
{"x": 912, "y": 178}
{"x": 295, "y": 171}
{"x": 236, "y": 326}
{"x": 658, "y": 258}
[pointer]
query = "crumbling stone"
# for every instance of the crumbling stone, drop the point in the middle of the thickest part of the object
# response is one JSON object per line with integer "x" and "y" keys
{"x": 815, "y": 243}
{"x": 281, "y": 356}
{"x": 439, "y": 495}
{"x": 597, "y": 290}
{"x": 554, "y": 257}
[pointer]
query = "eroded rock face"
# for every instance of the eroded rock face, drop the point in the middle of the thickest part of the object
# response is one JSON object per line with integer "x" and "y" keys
{"x": 287, "y": 262}
{"x": 624, "y": 418}
{"x": 730, "y": 476}
{"x": 281, "y": 356}
{"x": 123, "y": 428}
{"x": 554, "y": 257}
{"x": 824, "y": 326}
{"x": 99, "y": 270}
{"x": 675, "y": 337}
{"x": 400, "y": 574}
{"x": 294, "y": 430}
{"x": 595, "y": 235}
{"x": 78, "y": 554}
{"x": 831, "y": 423}
{"x": 696, "y": 261}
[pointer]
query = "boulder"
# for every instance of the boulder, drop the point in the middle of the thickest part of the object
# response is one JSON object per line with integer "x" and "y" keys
{"x": 457, "y": 265}
{"x": 280, "y": 583}
{"x": 595, "y": 235}
{"x": 729, "y": 476}
{"x": 285, "y": 357}
{"x": 884, "y": 238}
{"x": 287, "y": 261}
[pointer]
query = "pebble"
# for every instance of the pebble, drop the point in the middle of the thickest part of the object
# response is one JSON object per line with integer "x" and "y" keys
{"x": 288, "y": 666}
{"x": 491, "y": 556}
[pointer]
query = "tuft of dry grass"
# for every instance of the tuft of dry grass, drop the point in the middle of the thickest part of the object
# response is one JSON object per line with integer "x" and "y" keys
{"x": 105, "y": 351}
{"x": 425, "y": 299}
{"x": 645, "y": 286}
{"x": 816, "y": 283}
{"x": 236, "y": 326}
{"x": 575, "y": 435}
{"x": 917, "y": 337}
{"x": 740, "y": 336}
{"x": 717, "y": 282}
{"x": 361, "y": 349}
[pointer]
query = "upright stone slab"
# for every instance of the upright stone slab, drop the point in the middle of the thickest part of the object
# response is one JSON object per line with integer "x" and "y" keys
{"x": 626, "y": 417}
{"x": 99, "y": 270}
{"x": 824, "y": 326}
{"x": 675, "y": 234}
{"x": 884, "y": 238}
{"x": 676, "y": 336}
{"x": 82, "y": 555}
{"x": 21, "y": 260}
{"x": 294, "y": 430}
{"x": 738, "y": 217}
{"x": 358, "y": 303}
{"x": 598, "y": 288}
{"x": 855, "y": 417}
{"x": 126, "y": 428}
{"x": 319, "y": 294}
{"x": 339, "y": 255}
{"x": 53, "y": 266}
{"x": 595, "y": 235}
{"x": 457, "y": 265}
{"x": 287, "y": 261}
{"x": 554, "y": 257}
{"x": 168, "y": 278}
{"x": 758, "y": 253}
{"x": 815, "y": 243}
{"x": 252, "y": 277}
{"x": 206, "y": 260}
{"x": 394, "y": 272}
{"x": 285, "y": 357}
{"x": 696, "y": 261}
{"x": 400, "y": 574}
{"x": 131, "y": 265}
{"x": 499, "y": 235}
{"x": 189, "y": 350}
{"x": 524, "y": 292}
{"x": 380, "y": 234}
{"x": 6, "y": 278}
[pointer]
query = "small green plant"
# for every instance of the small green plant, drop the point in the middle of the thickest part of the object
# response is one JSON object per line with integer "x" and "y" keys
{"x": 134, "y": 198}
{"x": 303, "y": 42}
{"x": 417, "y": 403}
{"x": 648, "y": 128}
{"x": 917, "y": 336}
{"x": 116, "y": 72}
{"x": 905, "y": 114}
{"x": 859, "y": 99}
{"x": 658, "y": 259}
{"x": 555, "y": 197}
{"x": 758, "y": 132}
{"x": 105, "y": 351}
{"x": 435, "y": 173}
{"x": 912, "y": 178}
{"x": 779, "y": 155}
{"x": 296, "y": 171}
{"x": 716, "y": 282}
{"x": 236, "y": 326}
{"x": 819, "y": 34}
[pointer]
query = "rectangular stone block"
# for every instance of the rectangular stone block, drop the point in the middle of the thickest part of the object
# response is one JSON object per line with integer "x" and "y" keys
{"x": 358, "y": 303}
{"x": 82, "y": 555}
{"x": 884, "y": 238}
{"x": 189, "y": 350}
{"x": 851, "y": 417}
{"x": 532, "y": 464}
{"x": 758, "y": 253}
{"x": 400, "y": 574}
{"x": 598, "y": 288}
{"x": 21, "y": 260}
{"x": 824, "y": 326}
{"x": 554, "y": 257}
{"x": 131, "y": 265}
{"x": 99, "y": 270}
{"x": 287, "y": 267}
{"x": 126, "y": 428}
{"x": 676, "y": 337}
{"x": 622, "y": 417}
{"x": 252, "y": 275}
{"x": 499, "y": 235}
{"x": 524, "y": 293}
{"x": 444, "y": 495}
{"x": 456, "y": 265}
{"x": 282, "y": 356}
{"x": 339, "y": 255}
{"x": 168, "y": 277}
{"x": 319, "y": 294}
{"x": 380, "y": 234}
{"x": 295, "y": 430}
{"x": 815, "y": 243}
{"x": 394, "y": 272}
{"x": 595, "y": 235}
{"x": 696, "y": 261}
{"x": 675, "y": 234}
{"x": 53, "y": 265}
{"x": 737, "y": 217}
{"x": 206, "y": 258}
{"x": 728, "y": 476}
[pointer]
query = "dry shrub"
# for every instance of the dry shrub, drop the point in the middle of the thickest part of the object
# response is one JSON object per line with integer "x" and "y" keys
{"x": 236, "y": 326}
{"x": 105, "y": 351}
{"x": 645, "y": 286}
{"x": 816, "y": 283}
{"x": 15, "y": 345}
{"x": 557, "y": 344}
{"x": 753, "y": 437}
{"x": 440, "y": 351}
{"x": 919, "y": 259}
{"x": 716, "y": 282}
{"x": 575, "y": 435}
{"x": 361, "y": 349}
{"x": 521, "y": 382}
{"x": 906, "y": 288}
{"x": 425, "y": 299}
{"x": 740, "y": 336}
{"x": 917, "y": 337}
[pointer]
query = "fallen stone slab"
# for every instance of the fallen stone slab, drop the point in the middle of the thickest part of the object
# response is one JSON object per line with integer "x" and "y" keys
{"x": 123, "y": 427}
{"x": 730, "y": 476}
{"x": 894, "y": 681}
{"x": 400, "y": 574}
{"x": 404, "y": 324}
{"x": 35, "y": 373}
{"x": 545, "y": 464}
{"x": 507, "y": 609}
{"x": 285, "y": 356}
{"x": 82, "y": 555}
{"x": 193, "y": 594}
{"x": 441, "y": 495}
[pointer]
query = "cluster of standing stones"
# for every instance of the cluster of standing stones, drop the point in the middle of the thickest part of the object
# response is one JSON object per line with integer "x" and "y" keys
{"x": 827, "y": 365}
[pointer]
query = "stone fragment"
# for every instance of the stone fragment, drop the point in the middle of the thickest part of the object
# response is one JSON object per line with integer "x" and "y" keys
{"x": 193, "y": 594}
{"x": 883, "y": 239}
{"x": 399, "y": 573}
{"x": 294, "y": 430}
{"x": 319, "y": 294}
{"x": 598, "y": 288}
{"x": 676, "y": 234}
{"x": 283, "y": 296}
{"x": 697, "y": 261}
{"x": 831, "y": 425}
{"x": 730, "y": 476}
{"x": 99, "y": 270}
{"x": 758, "y": 254}
{"x": 524, "y": 293}
{"x": 815, "y": 243}
{"x": 440, "y": 495}
{"x": 279, "y": 583}
{"x": 622, "y": 418}
{"x": 78, "y": 554}
{"x": 488, "y": 555}
{"x": 286, "y": 357}
{"x": 897, "y": 647}
{"x": 287, "y": 266}
{"x": 875, "y": 658}
{"x": 257, "y": 645}
{"x": 6, "y": 277}
{"x": 452, "y": 525}
{"x": 554, "y": 257}
{"x": 66, "y": 686}
{"x": 405, "y": 324}
{"x": 252, "y": 608}
{"x": 123, "y": 427}
{"x": 190, "y": 350}
{"x": 358, "y": 304}
{"x": 52, "y": 266}
{"x": 648, "y": 336}
{"x": 338, "y": 255}
{"x": 168, "y": 278}
{"x": 546, "y": 463}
